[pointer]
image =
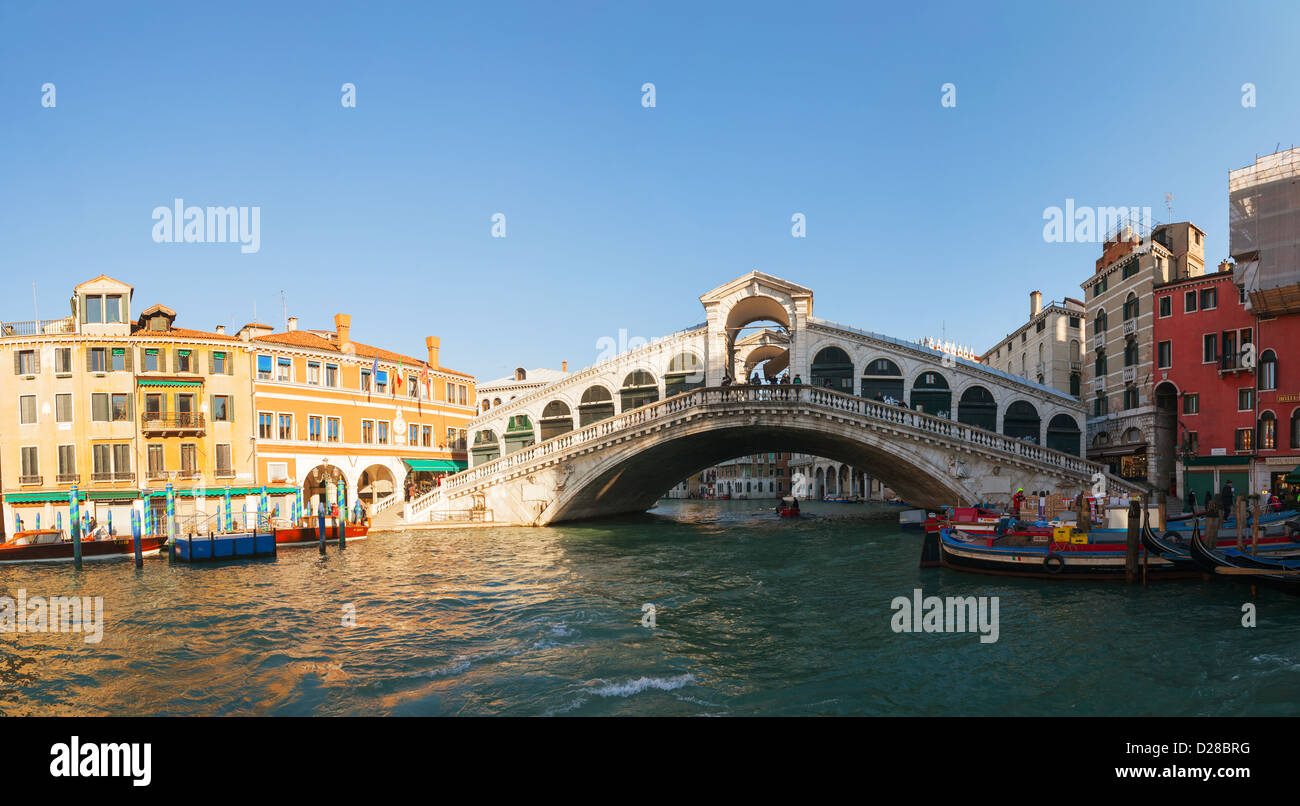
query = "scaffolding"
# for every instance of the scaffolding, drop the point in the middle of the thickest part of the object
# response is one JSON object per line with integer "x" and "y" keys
{"x": 1264, "y": 232}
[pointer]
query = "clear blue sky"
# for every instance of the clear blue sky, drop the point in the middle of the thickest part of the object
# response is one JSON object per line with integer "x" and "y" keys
{"x": 618, "y": 216}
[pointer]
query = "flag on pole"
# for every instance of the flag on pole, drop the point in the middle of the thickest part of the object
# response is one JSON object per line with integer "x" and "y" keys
{"x": 397, "y": 382}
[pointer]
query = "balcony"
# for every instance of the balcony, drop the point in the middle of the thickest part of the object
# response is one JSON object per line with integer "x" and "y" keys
{"x": 68, "y": 478}
{"x": 29, "y": 479}
{"x": 155, "y": 424}
{"x": 1099, "y": 341}
{"x": 1232, "y": 362}
{"x": 1076, "y": 366}
{"x": 1130, "y": 327}
{"x": 1130, "y": 374}
{"x": 109, "y": 478}
{"x": 38, "y": 327}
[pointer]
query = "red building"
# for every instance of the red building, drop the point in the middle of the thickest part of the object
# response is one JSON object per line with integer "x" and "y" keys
{"x": 1217, "y": 371}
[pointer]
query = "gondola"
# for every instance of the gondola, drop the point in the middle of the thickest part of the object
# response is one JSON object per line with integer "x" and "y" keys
{"x": 1254, "y": 568}
{"x": 1176, "y": 546}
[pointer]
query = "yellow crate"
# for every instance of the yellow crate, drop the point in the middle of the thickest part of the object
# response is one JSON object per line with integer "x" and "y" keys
{"x": 1062, "y": 534}
{"x": 1081, "y": 539}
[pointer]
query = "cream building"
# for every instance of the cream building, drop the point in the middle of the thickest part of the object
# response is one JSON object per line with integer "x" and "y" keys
{"x": 1047, "y": 349}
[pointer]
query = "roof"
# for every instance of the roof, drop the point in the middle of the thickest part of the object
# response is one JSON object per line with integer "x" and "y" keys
{"x": 103, "y": 277}
{"x": 540, "y": 375}
{"x": 158, "y": 307}
{"x": 311, "y": 341}
{"x": 181, "y": 333}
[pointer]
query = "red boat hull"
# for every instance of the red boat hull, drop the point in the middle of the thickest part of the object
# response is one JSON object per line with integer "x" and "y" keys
{"x": 90, "y": 550}
{"x": 304, "y": 536}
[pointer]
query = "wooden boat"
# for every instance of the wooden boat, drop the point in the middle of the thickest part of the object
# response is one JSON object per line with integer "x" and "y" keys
{"x": 1176, "y": 546}
{"x": 1277, "y": 572}
{"x": 51, "y": 545}
{"x": 305, "y": 534}
{"x": 1017, "y": 554}
{"x": 789, "y": 507}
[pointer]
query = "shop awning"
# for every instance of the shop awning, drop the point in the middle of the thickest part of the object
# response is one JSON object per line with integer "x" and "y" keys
{"x": 1294, "y": 476}
{"x": 155, "y": 382}
{"x": 1216, "y": 461}
{"x": 435, "y": 465}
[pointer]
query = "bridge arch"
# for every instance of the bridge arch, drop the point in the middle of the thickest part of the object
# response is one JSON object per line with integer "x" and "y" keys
{"x": 1022, "y": 422}
{"x": 931, "y": 393}
{"x": 639, "y": 388}
{"x": 1063, "y": 434}
{"x": 978, "y": 407}
{"x": 556, "y": 419}
{"x": 596, "y": 404}
{"x": 832, "y": 368}
{"x": 881, "y": 379}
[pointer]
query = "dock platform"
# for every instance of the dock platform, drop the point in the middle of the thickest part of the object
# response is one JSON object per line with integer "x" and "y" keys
{"x": 225, "y": 546}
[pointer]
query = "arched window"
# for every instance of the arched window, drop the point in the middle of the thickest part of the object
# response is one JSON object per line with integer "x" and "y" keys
{"x": 1076, "y": 350}
{"x": 1101, "y": 440}
{"x": 1268, "y": 370}
{"x": 639, "y": 389}
{"x": 485, "y": 448}
{"x": 1099, "y": 365}
{"x": 832, "y": 368}
{"x": 596, "y": 405}
{"x": 1267, "y": 431}
{"x": 556, "y": 419}
{"x": 978, "y": 408}
{"x": 930, "y": 394}
{"x": 882, "y": 380}
{"x": 1130, "y": 352}
{"x": 1130, "y": 306}
{"x": 1063, "y": 434}
{"x": 1022, "y": 422}
{"x": 1099, "y": 325}
{"x": 519, "y": 433}
{"x": 1295, "y": 429}
{"x": 685, "y": 372}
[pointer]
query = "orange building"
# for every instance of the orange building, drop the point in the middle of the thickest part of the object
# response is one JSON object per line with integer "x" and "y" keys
{"x": 328, "y": 409}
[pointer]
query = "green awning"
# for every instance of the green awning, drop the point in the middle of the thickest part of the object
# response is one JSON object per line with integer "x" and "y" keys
{"x": 435, "y": 465}
{"x": 1294, "y": 476}
{"x": 35, "y": 498}
{"x": 219, "y": 492}
{"x": 1215, "y": 461}
{"x": 151, "y": 382}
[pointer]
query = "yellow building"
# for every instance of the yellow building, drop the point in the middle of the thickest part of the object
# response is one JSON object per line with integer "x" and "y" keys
{"x": 329, "y": 409}
{"x": 121, "y": 407}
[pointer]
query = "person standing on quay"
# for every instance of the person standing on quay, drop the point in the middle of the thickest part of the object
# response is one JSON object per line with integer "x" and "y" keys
{"x": 1227, "y": 498}
{"x": 1191, "y": 500}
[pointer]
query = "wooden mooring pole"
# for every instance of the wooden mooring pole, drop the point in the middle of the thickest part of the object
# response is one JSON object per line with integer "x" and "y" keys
{"x": 1131, "y": 549}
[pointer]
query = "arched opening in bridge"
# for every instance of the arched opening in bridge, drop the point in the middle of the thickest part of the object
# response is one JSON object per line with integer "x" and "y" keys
{"x": 685, "y": 372}
{"x": 753, "y": 313}
{"x": 556, "y": 419}
{"x": 376, "y": 483}
{"x": 833, "y": 369}
{"x": 1166, "y": 437}
{"x": 596, "y": 405}
{"x": 1063, "y": 435}
{"x": 768, "y": 360}
{"x": 930, "y": 394}
{"x": 978, "y": 408}
{"x": 519, "y": 433}
{"x": 486, "y": 447}
{"x": 819, "y": 484}
{"x": 321, "y": 484}
{"x": 882, "y": 380}
{"x": 1022, "y": 422}
{"x": 639, "y": 389}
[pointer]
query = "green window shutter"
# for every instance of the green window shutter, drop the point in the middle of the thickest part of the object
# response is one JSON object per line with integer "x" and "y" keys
{"x": 212, "y": 362}
{"x": 17, "y": 364}
{"x": 196, "y": 362}
{"x": 129, "y": 362}
{"x": 36, "y": 360}
{"x": 162, "y": 360}
{"x": 142, "y": 360}
{"x": 130, "y": 401}
{"x": 89, "y": 352}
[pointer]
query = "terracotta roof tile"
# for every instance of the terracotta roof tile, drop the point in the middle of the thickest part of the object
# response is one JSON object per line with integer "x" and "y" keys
{"x": 181, "y": 333}
{"x": 308, "y": 339}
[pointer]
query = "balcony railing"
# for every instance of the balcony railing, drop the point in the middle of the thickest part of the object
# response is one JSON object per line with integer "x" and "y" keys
{"x": 29, "y": 479}
{"x": 1099, "y": 340}
{"x": 1130, "y": 327}
{"x": 37, "y": 327}
{"x": 1076, "y": 366}
{"x": 68, "y": 478}
{"x": 1130, "y": 374}
{"x": 184, "y": 421}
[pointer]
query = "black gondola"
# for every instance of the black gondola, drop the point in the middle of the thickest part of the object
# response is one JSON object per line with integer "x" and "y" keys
{"x": 1254, "y": 568}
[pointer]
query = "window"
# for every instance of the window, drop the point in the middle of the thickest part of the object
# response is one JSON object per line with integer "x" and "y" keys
{"x": 221, "y": 408}
{"x": 1074, "y": 322}
{"x": 220, "y": 363}
{"x": 1165, "y": 354}
{"x": 189, "y": 453}
{"x": 63, "y": 360}
{"x": 1100, "y": 322}
{"x": 1130, "y": 269}
{"x": 1042, "y": 323}
{"x": 412, "y": 386}
{"x": 1099, "y": 288}
{"x": 27, "y": 363}
{"x": 313, "y": 429}
{"x": 99, "y": 407}
{"x": 463, "y": 392}
{"x": 31, "y": 470}
{"x": 120, "y": 409}
{"x": 265, "y": 425}
{"x": 1268, "y": 370}
{"x": 101, "y": 460}
{"x": 383, "y": 432}
{"x": 1267, "y": 431}
{"x": 27, "y": 409}
{"x": 184, "y": 361}
{"x": 264, "y": 367}
{"x": 365, "y": 380}
{"x": 1245, "y": 399}
{"x": 451, "y": 392}
{"x": 1191, "y": 404}
{"x": 1099, "y": 365}
{"x": 1209, "y": 348}
{"x": 94, "y": 310}
{"x": 332, "y": 429}
{"x": 331, "y": 375}
{"x": 63, "y": 408}
{"x": 381, "y": 381}
{"x": 1189, "y": 302}
{"x": 157, "y": 461}
{"x": 1193, "y": 442}
{"x": 97, "y": 360}
{"x": 1209, "y": 299}
{"x": 225, "y": 469}
{"x": 1131, "y": 307}
{"x": 286, "y": 426}
{"x": 428, "y": 436}
{"x": 1130, "y": 352}
{"x": 151, "y": 360}
{"x": 1245, "y": 439}
{"x": 414, "y": 438}
{"x": 313, "y": 372}
{"x": 1131, "y": 399}
{"x": 368, "y": 431}
{"x": 1166, "y": 306}
{"x": 67, "y": 461}
{"x": 1295, "y": 429}
{"x": 117, "y": 361}
{"x": 283, "y": 369}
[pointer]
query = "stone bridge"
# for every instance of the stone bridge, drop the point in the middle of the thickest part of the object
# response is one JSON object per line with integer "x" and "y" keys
{"x": 624, "y": 463}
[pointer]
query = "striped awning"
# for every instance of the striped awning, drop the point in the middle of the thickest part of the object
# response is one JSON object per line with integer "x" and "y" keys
{"x": 435, "y": 465}
{"x": 157, "y": 382}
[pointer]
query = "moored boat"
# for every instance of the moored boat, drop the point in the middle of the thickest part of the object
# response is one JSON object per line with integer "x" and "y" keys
{"x": 51, "y": 545}
{"x": 1017, "y": 554}
{"x": 306, "y": 534}
{"x": 789, "y": 507}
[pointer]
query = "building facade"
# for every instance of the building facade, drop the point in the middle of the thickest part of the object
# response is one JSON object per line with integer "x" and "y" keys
{"x": 121, "y": 407}
{"x": 329, "y": 410}
{"x": 1047, "y": 349}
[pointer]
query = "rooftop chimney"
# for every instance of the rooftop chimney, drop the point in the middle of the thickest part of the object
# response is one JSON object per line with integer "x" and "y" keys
{"x": 1035, "y": 303}
{"x": 1226, "y": 265}
{"x": 343, "y": 327}
{"x": 293, "y": 323}
{"x": 221, "y": 329}
{"x": 432, "y": 342}
{"x": 564, "y": 366}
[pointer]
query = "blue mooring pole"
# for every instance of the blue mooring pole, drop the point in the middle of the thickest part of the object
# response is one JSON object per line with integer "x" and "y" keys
{"x": 135, "y": 536}
{"x": 320, "y": 524}
{"x": 74, "y": 515}
{"x": 342, "y": 516}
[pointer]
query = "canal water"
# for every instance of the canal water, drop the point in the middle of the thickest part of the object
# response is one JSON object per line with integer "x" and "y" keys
{"x": 752, "y": 615}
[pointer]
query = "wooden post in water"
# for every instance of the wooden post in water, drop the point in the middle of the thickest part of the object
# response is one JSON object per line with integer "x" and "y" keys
{"x": 320, "y": 523}
{"x": 1163, "y": 504}
{"x": 1131, "y": 549}
{"x": 1254, "y": 529}
{"x": 1213, "y": 517}
{"x": 74, "y": 521}
{"x": 1241, "y": 521}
